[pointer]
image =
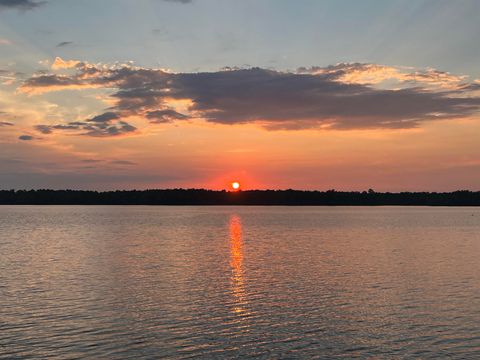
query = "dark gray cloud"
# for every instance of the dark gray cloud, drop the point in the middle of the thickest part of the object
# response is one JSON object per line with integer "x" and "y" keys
{"x": 20, "y": 4}
{"x": 25, "y": 137}
{"x": 103, "y": 125}
{"x": 50, "y": 80}
{"x": 65, "y": 127}
{"x": 120, "y": 128}
{"x": 48, "y": 129}
{"x": 64, "y": 43}
{"x": 164, "y": 116}
{"x": 44, "y": 129}
{"x": 104, "y": 118}
{"x": 277, "y": 100}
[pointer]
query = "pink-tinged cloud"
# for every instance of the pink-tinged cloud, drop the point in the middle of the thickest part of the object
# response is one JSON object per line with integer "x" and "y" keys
{"x": 59, "y": 63}
{"x": 359, "y": 73}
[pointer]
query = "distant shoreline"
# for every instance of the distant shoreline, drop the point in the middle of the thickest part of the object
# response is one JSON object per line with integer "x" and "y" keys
{"x": 247, "y": 197}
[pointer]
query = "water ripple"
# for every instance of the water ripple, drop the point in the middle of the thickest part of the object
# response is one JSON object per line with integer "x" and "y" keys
{"x": 230, "y": 282}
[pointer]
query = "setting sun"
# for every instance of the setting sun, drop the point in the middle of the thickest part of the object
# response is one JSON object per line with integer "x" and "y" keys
{"x": 235, "y": 185}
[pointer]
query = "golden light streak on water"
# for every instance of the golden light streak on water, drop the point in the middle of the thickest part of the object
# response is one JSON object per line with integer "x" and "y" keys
{"x": 236, "y": 263}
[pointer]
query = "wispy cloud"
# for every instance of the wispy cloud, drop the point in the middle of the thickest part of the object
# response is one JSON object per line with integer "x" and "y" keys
{"x": 64, "y": 43}
{"x": 4, "y": 41}
{"x": 159, "y": 32}
{"x": 8, "y": 77}
{"x": 123, "y": 162}
{"x": 179, "y": 1}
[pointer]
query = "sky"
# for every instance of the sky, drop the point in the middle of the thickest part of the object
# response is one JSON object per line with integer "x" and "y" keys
{"x": 275, "y": 94}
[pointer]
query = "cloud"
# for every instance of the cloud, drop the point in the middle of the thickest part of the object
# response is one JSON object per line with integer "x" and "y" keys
{"x": 4, "y": 41}
{"x": 103, "y": 125}
{"x": 59, "y": 63}
{"x": 123, "y": 162}
{"x": 343, "y": 96}
{"x": 115, "y": 162}
{"x": 20, "y": 4}
{"x": 120, "y": 128}
{"x": 160, "y": 32}
{"x": 164, "y": 116}
{"x": 67, "y": 178}
{"x": 5, "y": 123}
{"x": 179, "y": 1}
{"x": 44, "y": 129}
{"x": 46, "y": 83}
{"x": 104, "y": 118}
{"x": 8, "y": 77}
{"x": 359, "y": 73}
{"x": 25, "y": 137}
{"x": 64, "y": 43}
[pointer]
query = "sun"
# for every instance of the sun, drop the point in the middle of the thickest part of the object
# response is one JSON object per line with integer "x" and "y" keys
{"x": 235, "y": 185}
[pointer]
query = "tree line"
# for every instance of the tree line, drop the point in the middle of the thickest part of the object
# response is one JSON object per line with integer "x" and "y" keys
{"x": 248, "y": 197}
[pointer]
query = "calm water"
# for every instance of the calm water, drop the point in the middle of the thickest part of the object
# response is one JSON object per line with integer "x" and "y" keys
{"x": 223, "y": 282}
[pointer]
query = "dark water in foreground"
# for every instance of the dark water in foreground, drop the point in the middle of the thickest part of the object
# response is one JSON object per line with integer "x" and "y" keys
{"x": 224, "y": 282}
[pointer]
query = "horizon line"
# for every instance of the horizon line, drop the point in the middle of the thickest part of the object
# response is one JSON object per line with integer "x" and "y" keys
{"x": 371, "y": 191}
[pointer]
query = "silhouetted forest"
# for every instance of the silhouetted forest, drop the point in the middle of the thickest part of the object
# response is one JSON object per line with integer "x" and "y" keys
{"x": 249, "y": 197}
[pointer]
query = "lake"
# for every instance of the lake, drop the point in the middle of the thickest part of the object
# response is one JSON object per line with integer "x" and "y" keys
{"x": 120, "y": 282}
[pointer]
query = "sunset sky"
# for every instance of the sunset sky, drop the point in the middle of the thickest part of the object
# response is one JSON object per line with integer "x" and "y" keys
{"x": 351, "y": 95}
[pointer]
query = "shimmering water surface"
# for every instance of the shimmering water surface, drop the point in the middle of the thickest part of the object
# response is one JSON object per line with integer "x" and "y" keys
{"x": 225, "y": 282}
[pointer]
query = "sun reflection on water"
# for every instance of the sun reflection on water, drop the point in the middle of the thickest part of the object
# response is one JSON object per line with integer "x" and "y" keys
{"x": 236, "y": 263}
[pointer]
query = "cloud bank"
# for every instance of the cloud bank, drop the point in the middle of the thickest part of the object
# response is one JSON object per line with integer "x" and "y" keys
{"x": 20, "y": 4}
{"x": 343, "y": 96}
